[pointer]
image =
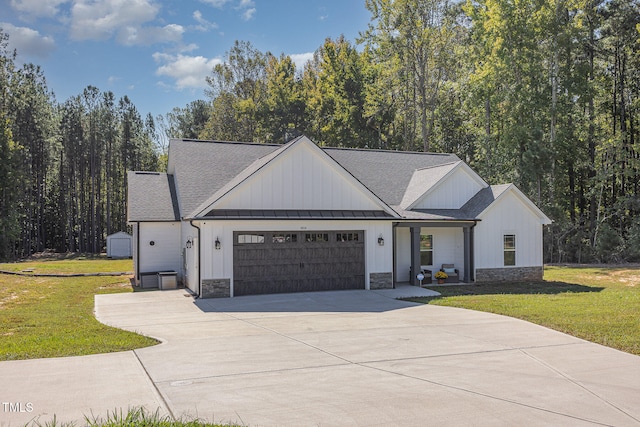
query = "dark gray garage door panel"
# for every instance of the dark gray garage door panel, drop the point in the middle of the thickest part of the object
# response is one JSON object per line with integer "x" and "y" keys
{"x": 301, "y": 261}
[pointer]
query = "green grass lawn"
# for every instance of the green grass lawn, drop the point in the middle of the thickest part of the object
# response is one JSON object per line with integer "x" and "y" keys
{"x": 599, "y": 304}
{"x": 53, "y": 316}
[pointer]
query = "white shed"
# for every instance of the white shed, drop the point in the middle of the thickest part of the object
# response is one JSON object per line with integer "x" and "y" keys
{"x": 119, "y": 245}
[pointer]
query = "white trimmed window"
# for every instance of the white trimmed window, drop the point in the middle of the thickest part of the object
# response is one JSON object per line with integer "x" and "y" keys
{"x": 426, "y": 249}
{"x": 509, "y": 249}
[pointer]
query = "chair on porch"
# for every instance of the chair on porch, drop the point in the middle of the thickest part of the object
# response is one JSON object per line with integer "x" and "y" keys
{"x": 452, "y": 272}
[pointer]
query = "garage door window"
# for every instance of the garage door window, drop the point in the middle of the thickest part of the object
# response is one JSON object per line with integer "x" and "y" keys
{"x": 316, "y": 237}
{"x": 250, "y": 238}
{"x": 347, "y": 237}
{"x": 284, "y": 238}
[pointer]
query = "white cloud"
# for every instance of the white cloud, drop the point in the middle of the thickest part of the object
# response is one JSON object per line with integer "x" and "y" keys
{"x": 248, "y": 9}
{"x": 204, "y": 25}
{"x": 47, "y": 8}
{"x": 186, "y": 71}
{"x": 130, "y": 36}
{"x": 300, "y": 59}
{"x": 100, "y": 20}
{"x": 28, "y": 41}
{"x": 215, "y": 3}
{"x": 248, "y": 14}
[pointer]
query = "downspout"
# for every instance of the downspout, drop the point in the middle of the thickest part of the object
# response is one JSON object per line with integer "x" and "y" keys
{"x": 199, "y": 255}
{"x": 137, "y": 272}
{"x": 472, "y": 263}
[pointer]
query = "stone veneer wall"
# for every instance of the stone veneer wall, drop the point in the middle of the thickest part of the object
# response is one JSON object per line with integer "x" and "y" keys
{"x": 380, "y": 280}
{"x": 512, "y": 274}
{"x": 216, "y": 288}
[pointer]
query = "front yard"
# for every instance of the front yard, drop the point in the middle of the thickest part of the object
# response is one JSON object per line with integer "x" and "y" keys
{"x": 53, "y": 316}
{"x": 598, "y": 304}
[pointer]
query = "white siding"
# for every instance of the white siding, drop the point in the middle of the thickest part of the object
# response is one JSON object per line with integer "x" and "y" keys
{"x": 453, "y": 193}
{"x": 448, "y": 248}
{"x": 165, "y": 253}
{"x": 299, "y": 179}
{"x": 509, "y": 215}
{"x": 218, "y": 264}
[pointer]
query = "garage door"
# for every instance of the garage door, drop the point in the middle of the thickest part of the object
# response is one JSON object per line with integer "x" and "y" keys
{"x": 297, "y": 261}
{"x": 120, "y": 247}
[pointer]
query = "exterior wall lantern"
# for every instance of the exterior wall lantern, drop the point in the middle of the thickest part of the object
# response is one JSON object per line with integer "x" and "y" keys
{"x": 381, "y": 240}
{"x": 218, "y": 244}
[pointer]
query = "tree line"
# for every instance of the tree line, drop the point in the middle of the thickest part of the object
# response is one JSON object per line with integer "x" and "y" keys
{"x": 63, "y": 166}
{"x": 544, "y": 94}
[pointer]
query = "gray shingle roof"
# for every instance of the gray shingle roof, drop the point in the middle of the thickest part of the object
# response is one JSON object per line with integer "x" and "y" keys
{"x": 386, "y": 173}
{"x": 469, "y": 212}
{"x": 483, "y": 199}
{"x": 200, "y": 169}
{"x": 151, "y": 197}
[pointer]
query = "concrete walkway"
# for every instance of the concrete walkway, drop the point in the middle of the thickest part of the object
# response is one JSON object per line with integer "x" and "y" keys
{"x": 348, "y": 358}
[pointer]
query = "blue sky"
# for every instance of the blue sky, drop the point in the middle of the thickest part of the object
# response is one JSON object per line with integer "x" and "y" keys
{"x": 158, "y": 52}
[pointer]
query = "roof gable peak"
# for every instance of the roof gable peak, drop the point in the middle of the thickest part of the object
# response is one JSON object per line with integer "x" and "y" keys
{"x": 293, "y": 177}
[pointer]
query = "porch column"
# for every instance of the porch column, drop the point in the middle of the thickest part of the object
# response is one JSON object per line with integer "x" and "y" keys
{"x": 415, "y": 255}
{"x": 468, "y": 237}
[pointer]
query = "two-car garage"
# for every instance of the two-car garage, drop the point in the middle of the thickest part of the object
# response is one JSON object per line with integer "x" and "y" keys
{"x": 268, "y": 262}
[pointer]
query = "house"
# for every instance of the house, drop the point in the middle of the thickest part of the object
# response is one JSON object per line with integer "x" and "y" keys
{"x": 241, "y": 218}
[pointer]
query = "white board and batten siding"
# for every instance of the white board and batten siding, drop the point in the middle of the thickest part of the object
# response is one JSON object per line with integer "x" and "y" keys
{"x": 448, "y": 248}
{"x": 299, "y": 178}
{"x": 456, "y": 190}
{"x": 218, "y": 264}
{"x": 508, "y": 215}
{"x": 160, "y": 247}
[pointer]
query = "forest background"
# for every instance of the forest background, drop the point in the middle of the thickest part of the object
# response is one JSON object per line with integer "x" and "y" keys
{"x": 541, "y": 93}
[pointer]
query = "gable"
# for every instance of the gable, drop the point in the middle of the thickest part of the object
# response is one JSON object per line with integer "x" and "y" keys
{"x": 511, "y": 208}
{"x": 299, "y": 175}
{"x": 451, "y": 190}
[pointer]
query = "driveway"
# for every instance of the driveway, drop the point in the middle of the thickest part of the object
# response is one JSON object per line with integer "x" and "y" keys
{"x": 347, "y": 358}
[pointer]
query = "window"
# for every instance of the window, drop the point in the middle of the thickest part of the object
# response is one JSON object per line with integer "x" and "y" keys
{"x": 509, "y": 249}
{"x": 426, "y": 249}
{"x": 284, "y": 238}
{"x": 316, "y": 237}
{"x": 347, "y": 237}
{"x": 250, "y": 238}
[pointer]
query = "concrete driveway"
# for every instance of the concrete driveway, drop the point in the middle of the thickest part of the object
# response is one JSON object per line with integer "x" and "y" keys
{"x": 348, "y": 358}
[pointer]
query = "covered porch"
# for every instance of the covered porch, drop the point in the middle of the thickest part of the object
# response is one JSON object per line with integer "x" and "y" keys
{"x": 426, "y": 245}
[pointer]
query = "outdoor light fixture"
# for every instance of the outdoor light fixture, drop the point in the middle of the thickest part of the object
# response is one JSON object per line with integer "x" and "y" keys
{"x": 381, "y": 240}
{"x": 189, "y": 243}
{"x": 217, "y": 243}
